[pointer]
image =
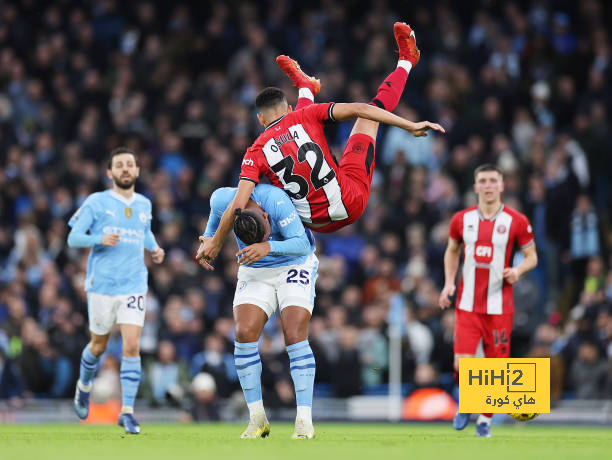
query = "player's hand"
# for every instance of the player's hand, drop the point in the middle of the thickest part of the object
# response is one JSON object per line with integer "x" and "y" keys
{"x": 420, "y": 129}
{"x": 204, "y": 261}
{"x": 445, "y": 295}
{"x": 252, "y": 253}
{"x": 158, "y": 255}
{"x": 110, "y": 239}
{"x": 511, "y": 275}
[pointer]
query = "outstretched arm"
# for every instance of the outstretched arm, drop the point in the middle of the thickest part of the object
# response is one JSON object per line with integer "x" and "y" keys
{"x": 451, "y": 265}
{"x": 210, "y": 247}
{"x": 351, "y": 111}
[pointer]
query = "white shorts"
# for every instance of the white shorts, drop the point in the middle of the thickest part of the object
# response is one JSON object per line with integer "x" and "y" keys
{"x": 270, "y": 288}
{"x": 106, "y": 310}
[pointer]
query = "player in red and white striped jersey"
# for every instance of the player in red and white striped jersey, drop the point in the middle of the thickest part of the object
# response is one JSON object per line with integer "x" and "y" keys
{"x": 293, "y": 152}
{"x": 488, "y": 233}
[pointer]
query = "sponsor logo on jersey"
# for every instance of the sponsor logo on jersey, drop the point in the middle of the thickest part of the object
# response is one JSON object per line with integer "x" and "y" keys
{"x": 247, "y": 162}
{"x": 287, "y": 220}
{"x": 112, "y": 213}
{"x": 483, "y": 253}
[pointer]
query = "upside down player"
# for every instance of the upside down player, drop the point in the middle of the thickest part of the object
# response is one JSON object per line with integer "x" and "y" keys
{"x": 278, "y": 269}
{"x": 293, "y": 152}
{"x": 485, "y": 304}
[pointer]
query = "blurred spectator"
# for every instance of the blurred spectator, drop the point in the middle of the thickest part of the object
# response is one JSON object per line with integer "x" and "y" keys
{"x": 167, "y": 378}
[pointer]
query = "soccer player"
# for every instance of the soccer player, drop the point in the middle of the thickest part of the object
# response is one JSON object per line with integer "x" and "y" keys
{"x": 278, "y": 269}
{"x": 293, "y": 152}
{"x": 116, "y": 224}
{"x": 485, "y": 305}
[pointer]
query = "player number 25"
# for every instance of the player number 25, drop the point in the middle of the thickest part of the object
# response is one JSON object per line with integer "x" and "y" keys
{"x": 136, "y": 302}
{"x": 304, "y": 277}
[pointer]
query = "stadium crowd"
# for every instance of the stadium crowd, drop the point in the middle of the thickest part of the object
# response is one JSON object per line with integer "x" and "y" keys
{"x": 525, "y": 85}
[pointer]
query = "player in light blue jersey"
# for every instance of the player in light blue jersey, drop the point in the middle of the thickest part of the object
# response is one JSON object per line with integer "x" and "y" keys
{"x": 116, "y": 225}
{"x": 278, "y": 269}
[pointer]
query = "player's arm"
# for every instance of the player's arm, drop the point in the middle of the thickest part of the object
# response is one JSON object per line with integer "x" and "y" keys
{"x": 210, "y": 247}
{"x": 451, "y": 265}
{"x": 151, "y": 245}
{"x": 81, "y": 222}
{"x": 513, "y": 274}
{"x": 295, "y": 242}
{"x": 351, "y": 111}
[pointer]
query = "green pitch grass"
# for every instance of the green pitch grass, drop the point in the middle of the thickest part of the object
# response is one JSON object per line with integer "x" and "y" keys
{"x": 335, "y": 441}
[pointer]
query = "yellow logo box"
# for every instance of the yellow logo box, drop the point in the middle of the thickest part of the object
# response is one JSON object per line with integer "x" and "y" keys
{"x": 502, "y": 385}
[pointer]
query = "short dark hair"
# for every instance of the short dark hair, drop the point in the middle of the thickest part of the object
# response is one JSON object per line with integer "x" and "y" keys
{"x": 248, "y": 227}
{"x": 487, "y": 167}
{"x": 269, "y": 97}
{"x": 119, "y": 151}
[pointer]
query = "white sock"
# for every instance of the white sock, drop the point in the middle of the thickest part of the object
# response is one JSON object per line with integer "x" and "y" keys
{"x": 85, "y": 388}
{"x": 406, "y": 65}
{"x": 305, "y": 413}
{"x": 127, "y": 410}
{"x": 483, "y": 419}
{"x": 255, "y": 408}
{"x": 305, "y": 92}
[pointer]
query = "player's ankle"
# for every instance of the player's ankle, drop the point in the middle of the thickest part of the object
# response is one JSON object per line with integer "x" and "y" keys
{"x": 483, "y": 419}
{"x": 256, "y": 408}
{"x": 83, "y": 387}
{"x": 127, "y": 410}
{"x": 405, "y": 64}
{"x": 304, "y": 413}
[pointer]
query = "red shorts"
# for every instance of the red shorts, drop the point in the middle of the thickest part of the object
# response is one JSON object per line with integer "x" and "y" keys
{"x": 355, "y": 172}
{"x": 495, "y": 331}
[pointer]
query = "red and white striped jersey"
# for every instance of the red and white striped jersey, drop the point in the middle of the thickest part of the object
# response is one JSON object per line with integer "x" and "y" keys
{"x": 488, "y": 247}
{"x": 293, "y": 153}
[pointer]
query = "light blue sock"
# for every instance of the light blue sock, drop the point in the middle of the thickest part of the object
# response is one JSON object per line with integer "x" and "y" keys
{"x": 248, "y": 367}
{"x": 130, "y": 379}
{"x": 302, "y": 364}
{"x": 89, "y": 366}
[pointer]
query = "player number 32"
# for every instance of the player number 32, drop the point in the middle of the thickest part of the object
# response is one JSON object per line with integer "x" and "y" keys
{"x": 304, "y": 276}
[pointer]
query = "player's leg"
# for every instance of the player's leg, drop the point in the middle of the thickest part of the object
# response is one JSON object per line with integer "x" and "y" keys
{"x": 496, "y": 344}
{"x": 467, "y": 337}
{"x": 308, "y": 87}
{"x": 131, "y": 373}
{"x": 131, "y": 311}
{"x": 101, "y": 320}
{"x": 250, "y": 321}
{"x": 296, "y": 300}
{"x": 359, "y": 157}
{"x": 295, "y": 322}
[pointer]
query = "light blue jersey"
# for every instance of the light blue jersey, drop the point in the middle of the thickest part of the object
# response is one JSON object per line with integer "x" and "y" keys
{"x": 290, "y": 242}
{"x": 120, "y": 269}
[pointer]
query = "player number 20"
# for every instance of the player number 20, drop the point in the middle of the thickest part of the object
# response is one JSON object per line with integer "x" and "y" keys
{"x": 304, "y": 277}
{"x": 136, "y": 302}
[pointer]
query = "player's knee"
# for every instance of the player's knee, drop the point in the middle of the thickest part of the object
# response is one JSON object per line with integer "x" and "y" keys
{"x": 131, "y": 348}
{"x": 247, "y": 331}
{"x": 294, "y": 335}
{"x": 97, "y": 348}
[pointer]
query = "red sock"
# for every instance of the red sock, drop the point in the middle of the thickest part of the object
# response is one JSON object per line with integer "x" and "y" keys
{"x": 488, "y": 415}
{"x": 390, "y": 92}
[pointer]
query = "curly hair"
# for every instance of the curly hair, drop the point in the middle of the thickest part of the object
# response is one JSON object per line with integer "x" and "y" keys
{"x": 249, "y": 227}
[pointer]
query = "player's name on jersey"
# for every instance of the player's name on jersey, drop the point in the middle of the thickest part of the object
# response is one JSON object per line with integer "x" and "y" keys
{"x": 496, "y": 385}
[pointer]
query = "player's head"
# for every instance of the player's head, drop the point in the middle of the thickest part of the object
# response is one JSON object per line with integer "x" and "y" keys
{"x": 251, "y": 224}
{"x": 123, "y": 167}
{"x": 488, "y": 183}
{"x": 271, "y": 104}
